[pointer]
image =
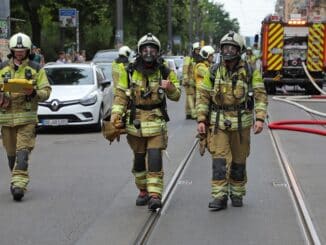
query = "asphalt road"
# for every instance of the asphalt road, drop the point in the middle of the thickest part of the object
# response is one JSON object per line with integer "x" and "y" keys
{"x": 82, "y": 191}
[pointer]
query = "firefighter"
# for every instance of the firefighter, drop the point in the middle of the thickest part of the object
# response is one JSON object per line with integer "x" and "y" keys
{"x": 250, "y": 57}
{"x": 226, "y": 113}
{"x": 18, "y": 113}
{"x": 120, "y": 63}
{"x": 141, "y": 95}
{"x": 188, "y": 81}
{"x": 256, "y": 51}
{"x": 201, "y": 68}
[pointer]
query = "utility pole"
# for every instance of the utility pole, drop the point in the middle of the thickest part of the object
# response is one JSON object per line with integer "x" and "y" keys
{"x": 190, "y": 27}
{"x": 119, "y": 30}
{"x": 5, "y": 19}
{"x": 77, "y": 31}
{"x": 170, "y": 41}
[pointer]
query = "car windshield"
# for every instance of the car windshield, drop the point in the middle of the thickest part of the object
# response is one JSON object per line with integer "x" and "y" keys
{"x": 69, "y": 75}
{"x": 108, "y": 56}
{"x": 107, "y": 70}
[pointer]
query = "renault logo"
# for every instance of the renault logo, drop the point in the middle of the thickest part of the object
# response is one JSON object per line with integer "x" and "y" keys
{"x": 55, "y": 104}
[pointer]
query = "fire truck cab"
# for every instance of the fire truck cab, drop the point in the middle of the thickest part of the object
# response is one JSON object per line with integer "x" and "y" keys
{"x": 286, "y": 46}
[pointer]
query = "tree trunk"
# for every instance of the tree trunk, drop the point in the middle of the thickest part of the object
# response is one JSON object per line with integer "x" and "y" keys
{"x": 31, "y": 7}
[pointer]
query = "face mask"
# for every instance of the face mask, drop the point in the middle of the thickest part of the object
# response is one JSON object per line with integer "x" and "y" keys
{"x": 230, "y": 52}
{"x": 149, "y": 53}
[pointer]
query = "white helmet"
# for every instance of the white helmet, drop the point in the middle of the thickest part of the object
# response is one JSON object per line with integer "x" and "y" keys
{"x": 195, "y": 45}
{"x": 20, "y": 41}
{"x": 206, "y": 51}
{"x": 233, "y": 39}
{"x": 149, "y": 39}
{"x": 125, "y": 51}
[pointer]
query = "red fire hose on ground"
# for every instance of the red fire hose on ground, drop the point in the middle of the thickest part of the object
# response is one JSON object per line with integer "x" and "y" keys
{"x": 289, "y": 124}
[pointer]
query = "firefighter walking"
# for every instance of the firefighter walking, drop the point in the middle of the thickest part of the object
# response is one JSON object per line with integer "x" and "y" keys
{"x": 225, "y": 112}
{"x": 189, "y": 82}
{"x": 141, "y": 96}
{"x": 18, "y": 110}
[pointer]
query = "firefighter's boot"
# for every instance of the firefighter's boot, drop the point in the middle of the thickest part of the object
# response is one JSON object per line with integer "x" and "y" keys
{"x": 142, "y": 198}
{"x": 154, "y": 203}
{"x": 218, "y": 203}
{"x": 236, "y": 201}
{"x": 17, "y": 193}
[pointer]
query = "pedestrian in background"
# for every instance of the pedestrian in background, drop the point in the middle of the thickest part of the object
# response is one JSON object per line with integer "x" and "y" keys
{"x": 61, "y": 57}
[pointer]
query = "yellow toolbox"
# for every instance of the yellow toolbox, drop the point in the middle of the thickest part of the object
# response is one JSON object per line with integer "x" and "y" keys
{"x": 17, "y": 85}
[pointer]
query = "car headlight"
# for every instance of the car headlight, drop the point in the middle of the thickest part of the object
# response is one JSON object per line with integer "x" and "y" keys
{"x": 91, "y": 100}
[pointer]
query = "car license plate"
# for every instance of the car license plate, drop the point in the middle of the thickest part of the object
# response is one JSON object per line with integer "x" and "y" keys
{"x": 54, "y": 122}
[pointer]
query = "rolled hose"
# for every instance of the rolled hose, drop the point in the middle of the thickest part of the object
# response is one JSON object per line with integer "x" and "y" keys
{"x": 287, "y": 124}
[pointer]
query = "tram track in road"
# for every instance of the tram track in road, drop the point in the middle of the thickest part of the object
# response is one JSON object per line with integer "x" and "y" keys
{"x": 304, "y": 217}
{"x": 151, "y": 222}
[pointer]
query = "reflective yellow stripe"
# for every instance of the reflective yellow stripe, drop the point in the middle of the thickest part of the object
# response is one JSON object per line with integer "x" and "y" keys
{"x": 275, "y": 41}
{"x": 315, "y": 47}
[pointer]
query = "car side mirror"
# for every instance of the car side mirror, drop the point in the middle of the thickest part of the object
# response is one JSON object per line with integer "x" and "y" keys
{"x": 106, "y": 82}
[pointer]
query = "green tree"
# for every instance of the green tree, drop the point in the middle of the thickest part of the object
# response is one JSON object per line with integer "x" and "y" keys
{"x": 98, "y": 21}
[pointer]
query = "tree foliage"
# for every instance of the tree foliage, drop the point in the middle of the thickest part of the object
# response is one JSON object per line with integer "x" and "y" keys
{"x": 207, "y": 21}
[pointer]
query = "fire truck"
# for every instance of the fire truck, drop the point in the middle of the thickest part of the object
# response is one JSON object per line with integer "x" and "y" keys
{"x": 286, "y": 47}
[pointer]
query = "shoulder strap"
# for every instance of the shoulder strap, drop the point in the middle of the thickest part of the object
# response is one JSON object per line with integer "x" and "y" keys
{"x": 212, "y": 72}
{"x": 34, "y": 65}
{"x": 130, "y": 70}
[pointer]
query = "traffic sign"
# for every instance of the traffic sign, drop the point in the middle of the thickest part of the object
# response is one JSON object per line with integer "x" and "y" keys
{"x": 67, "y": 17}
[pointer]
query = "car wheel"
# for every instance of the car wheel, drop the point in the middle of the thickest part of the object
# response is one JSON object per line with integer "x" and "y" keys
{"x": 98, "y": 126}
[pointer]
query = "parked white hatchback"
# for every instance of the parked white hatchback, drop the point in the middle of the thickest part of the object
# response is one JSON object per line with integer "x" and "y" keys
{"x": 81, "y": 95}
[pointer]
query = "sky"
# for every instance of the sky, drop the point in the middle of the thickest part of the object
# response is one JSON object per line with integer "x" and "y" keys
{"x": 249, "y": 13}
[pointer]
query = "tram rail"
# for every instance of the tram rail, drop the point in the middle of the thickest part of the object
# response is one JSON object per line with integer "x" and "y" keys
{"x": 309, "y": 230}
{"x": 150, "y": 223}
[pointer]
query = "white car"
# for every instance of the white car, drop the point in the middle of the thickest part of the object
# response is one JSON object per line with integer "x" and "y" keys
{"x": 80, "y": 96}
{"x": 178, "y": 61}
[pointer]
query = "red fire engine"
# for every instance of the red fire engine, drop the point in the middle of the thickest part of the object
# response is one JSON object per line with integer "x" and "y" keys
{"x": 285, "y": 46}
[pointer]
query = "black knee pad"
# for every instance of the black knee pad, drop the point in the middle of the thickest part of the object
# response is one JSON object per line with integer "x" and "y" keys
{"x": 154, "y": 160}
{"x": 238, "y": 171}
{"x": 219, "y": 169}
{"x": 11, "y": 162}
{"x": 22, "y": 160}
{"x": 139, "y": 162}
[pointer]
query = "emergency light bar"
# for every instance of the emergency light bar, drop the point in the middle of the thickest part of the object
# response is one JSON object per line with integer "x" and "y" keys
{"x": 275, "y": 18}
{"x": 297, "y": 22}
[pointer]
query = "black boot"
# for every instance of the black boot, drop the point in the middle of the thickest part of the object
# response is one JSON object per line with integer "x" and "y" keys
{"x": 154, "y": 203}
{"x": 11, "y": 162}
{"x": 142, "y": 198}
{"x": 219, "y": 203}
{"x": 17, "y": 193}
{"x": 236, "y": 201}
